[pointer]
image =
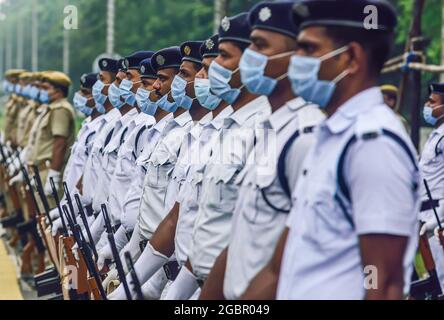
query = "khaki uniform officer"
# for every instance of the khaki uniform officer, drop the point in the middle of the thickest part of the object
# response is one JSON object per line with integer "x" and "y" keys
{"x": 53, "y": 131}
{"x": 12, "y": 106}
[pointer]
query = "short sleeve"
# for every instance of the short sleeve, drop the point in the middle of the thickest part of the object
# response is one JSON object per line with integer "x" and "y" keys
{"x": 383, "y": 186}
{"x": 61, "y": 122}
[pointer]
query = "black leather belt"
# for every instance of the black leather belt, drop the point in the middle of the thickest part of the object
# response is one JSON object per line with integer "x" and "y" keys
{"x": 200, "y": 283}
{"x": 429, "y": 204}
{"x": 171, "y": 269}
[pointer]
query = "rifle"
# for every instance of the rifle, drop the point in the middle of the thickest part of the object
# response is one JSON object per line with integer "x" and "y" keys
{"x": 94, "y": 281}
{"x": 85, "y": 223}
{"x": 39, "y": 186}
{"x": 135, "y": 279}
{"x": 440, "y": 229}
{"x": 59, "y": 208}
{"x": 430, "y": 288}
{"x": 82, "y": 290}
{"x": 112, "y": 243}
{"x": 69, "y": 200}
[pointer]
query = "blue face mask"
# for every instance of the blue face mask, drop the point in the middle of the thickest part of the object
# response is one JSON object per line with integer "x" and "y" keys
{"x": 97, "y": 88}
{"x": 252, "y": 69}
{"x": 164, "y": 104}
{"x": 80, "y": 104}
{"x": 5, "y": 86}
{"x": 26, "y": 91}
{"x": 18, "y": 89}
{"x": 427, "y": 113}
{"x": 178, "y": 91}
{"x": 100, "y": 108}
{"x": 144, "y": 102}
{"x": 303, "y": 75}
{"x": 203, "y": 94}
{"x": 114, "y": 96}
{"x": 34, "y": 93}
{"x": 11, "y": 88}
{"x": 220, "y": 78}
{"x": 125, "y": 92}
{"x": 44, "y": 97}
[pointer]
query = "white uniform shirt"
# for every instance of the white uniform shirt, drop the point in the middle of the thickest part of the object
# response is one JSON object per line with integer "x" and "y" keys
{"x": 126, "y": 169}
{"x": 322, "y": 258}
{"x": 202, "y": 138}
{"x": 122, "y": 129}
{"x": 95, "y": 156}
{"x": 256, "y": 226}
{"x": 431, "y": 165}
{"x": 147, "y": 142}
{"x": 219, "y": 192}
{"x": 80, "y": 151}
{"x": 159, "y": 168}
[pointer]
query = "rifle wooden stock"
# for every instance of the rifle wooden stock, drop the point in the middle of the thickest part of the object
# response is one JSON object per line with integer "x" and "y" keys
{"x": 426, "y": 253}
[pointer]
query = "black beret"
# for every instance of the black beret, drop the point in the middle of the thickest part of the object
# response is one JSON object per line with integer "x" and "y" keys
{"x": 109, "y": 65}
{"x": 88, "y": 80}
{"x": 274, "y": 16}
{"x": 345, "y": 13}
{"x": 166, "y": 58}
{"x": 235, "y": 29}
{"x": 437, "y": 88}
{"x": 146, "y": 70}
{"x": 133, "y": 61}
{"x": 190, "y": 51}
{"x": 210, "y": 48}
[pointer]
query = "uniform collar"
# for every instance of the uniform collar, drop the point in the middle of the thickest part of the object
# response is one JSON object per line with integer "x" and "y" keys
{"x": 206, "y": 119}
{"x": 159, "y": 126}
{"x": 110, "y": 116}
{"x": 183, "y": 119}
{"x": 143, "y": 118}
{"x": 281, "y": 117}
{"x": 244, "y": 113}
{"x": 218, "y": 121}
{"x": 439, "y": 130}
{"x": 346, "y": 115}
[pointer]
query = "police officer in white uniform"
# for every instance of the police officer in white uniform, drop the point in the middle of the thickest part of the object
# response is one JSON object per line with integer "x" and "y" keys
{"x": 107, "y": 75}
{"x": 352, "y": 231}
{"x": 84, "y": 103}
{"x": 229, "y": 157}
{"x": 431, "y": 165}
{"x": 159, "y": 164}
{"x": 273, "y": 167}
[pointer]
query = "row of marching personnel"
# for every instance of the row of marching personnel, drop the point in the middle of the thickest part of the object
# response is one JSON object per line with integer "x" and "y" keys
{"x": 262, "y": 163}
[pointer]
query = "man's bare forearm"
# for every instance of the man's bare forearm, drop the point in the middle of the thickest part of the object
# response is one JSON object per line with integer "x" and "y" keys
{"x": 213, "y": 288}
{"x": 163, "y": 237}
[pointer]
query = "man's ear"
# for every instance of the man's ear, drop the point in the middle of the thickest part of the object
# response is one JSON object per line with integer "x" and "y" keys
{"x": 358, "y": 58}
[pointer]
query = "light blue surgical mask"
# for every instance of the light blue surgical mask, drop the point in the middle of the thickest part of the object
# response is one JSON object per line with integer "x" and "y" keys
{"x": 114, "y": 96}
{"x": 303, "y": 74}
{"x": 144, "y": 102}
{"x": 125, "y": 92}
{"x": 11, "y": 88}
{"x": 178, "y": 92}
{"x": 204, "y": 96}
{"x": 18, "y": 89}
{"x": 26, "y": 90}
{"x": 44, "y": 96}
{"x": 97, "y": 88}
{"x": 5, "y": 86}
{"x": 34, "y": 93}
{"x": 220, "y": 78}
{"x": 164, "y": 104}
{"x": 80, "y": 104}
{"x": 252, "y": 69}
{"x": 100, "y": 108}
{"x": 427, "y": 113}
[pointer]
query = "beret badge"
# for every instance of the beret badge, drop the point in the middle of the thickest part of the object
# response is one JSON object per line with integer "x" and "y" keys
{"x": 264, "y": 14}
{"x": 160, "y": 60}
{"x": 225, "y": 24}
